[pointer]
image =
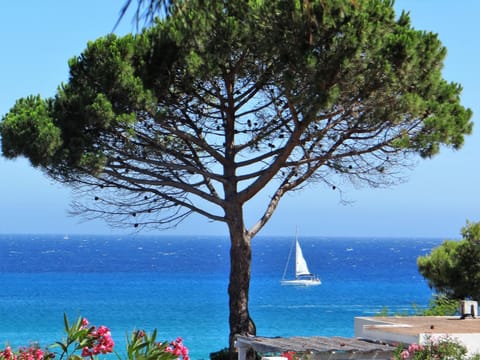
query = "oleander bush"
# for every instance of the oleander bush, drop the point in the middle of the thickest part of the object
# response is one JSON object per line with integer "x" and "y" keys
{"x": 85, "y": 341}
{"x": 438, "y": 348}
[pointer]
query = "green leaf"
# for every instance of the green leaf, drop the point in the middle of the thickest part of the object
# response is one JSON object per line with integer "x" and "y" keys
{"x": 60, "y": 345}
{"x": 66, "y": 324}
{"x": 75, "y": 357}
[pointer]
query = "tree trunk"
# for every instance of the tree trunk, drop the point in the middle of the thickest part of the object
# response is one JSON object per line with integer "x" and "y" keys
{"x": 238, "y": 289}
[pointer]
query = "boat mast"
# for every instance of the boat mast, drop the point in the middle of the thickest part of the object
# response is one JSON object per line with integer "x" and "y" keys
{"x": 289, "y": 255}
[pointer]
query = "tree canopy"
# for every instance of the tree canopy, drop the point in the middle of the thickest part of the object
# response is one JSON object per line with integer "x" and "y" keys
{"x": 453, "y": 269}
{"x": 296, "y": 91}
{"x": 203, "y": 109}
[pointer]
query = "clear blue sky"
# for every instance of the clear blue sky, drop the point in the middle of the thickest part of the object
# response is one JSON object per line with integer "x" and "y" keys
{"x": 38, "y": 37}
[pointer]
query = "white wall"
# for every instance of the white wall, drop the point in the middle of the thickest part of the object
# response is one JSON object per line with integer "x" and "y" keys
{"x": 362, "y": 330}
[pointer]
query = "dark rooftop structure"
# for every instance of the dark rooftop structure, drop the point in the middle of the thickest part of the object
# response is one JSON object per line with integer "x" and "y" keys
{"x": 316, "y": 347}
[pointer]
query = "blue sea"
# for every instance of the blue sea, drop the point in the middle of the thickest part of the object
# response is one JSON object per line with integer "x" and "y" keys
{"x": 178, "y": 285}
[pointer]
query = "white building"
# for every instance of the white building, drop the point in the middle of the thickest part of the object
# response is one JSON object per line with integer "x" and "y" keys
{"x": 420, "y": 329}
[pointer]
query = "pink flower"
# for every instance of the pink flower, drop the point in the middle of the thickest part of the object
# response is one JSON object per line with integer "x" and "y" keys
{"x": 86, "y": 352}
{"x": 178, "y": 349}
{"x": 103, "y": 330}
{"x": 84, "y": 323}
{"x": 290, "y": 355}
{"x": 414, "y": 348}
{"x": 405, "y": 354}
{"x": 38, "y": 355}
{"x": 101, "y": 341}
{"x": 7, "y": 353}
{"x": 30, "y": 353}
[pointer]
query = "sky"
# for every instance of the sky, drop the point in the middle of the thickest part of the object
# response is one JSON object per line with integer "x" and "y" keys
{"x": 438, "y": 198}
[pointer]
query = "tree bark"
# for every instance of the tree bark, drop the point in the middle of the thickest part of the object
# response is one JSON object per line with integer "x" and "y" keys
{"x": 239, "y": 285}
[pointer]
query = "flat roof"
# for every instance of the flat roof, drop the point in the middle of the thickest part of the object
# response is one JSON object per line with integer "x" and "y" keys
{"x": 414, "y": 325}
{"x": 319, "y": 347}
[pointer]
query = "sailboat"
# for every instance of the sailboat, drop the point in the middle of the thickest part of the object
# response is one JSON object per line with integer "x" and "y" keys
{"x": 303, "y": 276}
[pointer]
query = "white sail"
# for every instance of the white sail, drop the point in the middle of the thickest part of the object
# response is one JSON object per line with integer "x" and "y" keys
{"x": 301, "y": 267}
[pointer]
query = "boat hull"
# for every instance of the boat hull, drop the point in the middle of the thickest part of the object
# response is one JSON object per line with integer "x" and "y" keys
{"x": 302, "y": 282}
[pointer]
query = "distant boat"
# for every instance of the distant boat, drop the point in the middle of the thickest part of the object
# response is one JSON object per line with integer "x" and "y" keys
{"x": 303, "y": 276}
